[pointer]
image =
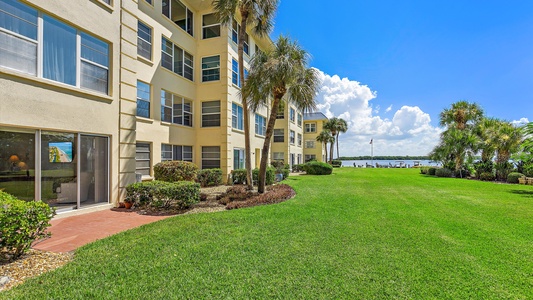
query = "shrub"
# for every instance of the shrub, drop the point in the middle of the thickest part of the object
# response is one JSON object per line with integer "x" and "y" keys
{"x": 486, "y": 176}
{"x": 210, "y": 177}
{"x": 163, "y": 195}
{"x": 236, "y": 193}
{"x": 424, "y": 170}
{"x": 318, "y": 168}
{"x": 298, "y": 168}
{"x": 432, "y": 171}
{"x": 175, "y": 170}
{"x": 483, "y": 167}
{"x": 443, "y": 172}
{"x": 528, "y": 170}
{"x": 274, "y": 194}
{"x": 513, "y": 177}
{"x": 21, "y": 223}
{"x": 239, "y": 176}
{"x": 336, "y": 163}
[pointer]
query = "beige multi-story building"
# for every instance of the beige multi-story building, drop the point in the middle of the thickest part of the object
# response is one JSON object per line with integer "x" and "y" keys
{"x": 313, "y": 126}
{"x": 94, "y": 93}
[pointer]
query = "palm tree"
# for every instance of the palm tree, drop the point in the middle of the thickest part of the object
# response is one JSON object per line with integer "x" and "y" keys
{"x": 342, "y": 126}
{"x": 258, "y": 15}
{"x": 325, "y": 137}
{"x": 332, "y": 125}
{"x": 487, "y": 130}
{"x": 276, "y": 74}
{"x": 461, "y": 115}
{"x": 509, "y": 140}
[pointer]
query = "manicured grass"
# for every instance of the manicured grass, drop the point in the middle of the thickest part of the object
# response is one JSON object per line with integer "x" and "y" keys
{"x": 357, "y": 234}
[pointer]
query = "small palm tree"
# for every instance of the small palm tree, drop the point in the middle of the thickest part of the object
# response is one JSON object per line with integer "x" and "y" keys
{"x": 259, "y": 16}
{"x": 487, "y": 130}
{"x": 332, "y": 125}
{"x": 461, "y": 114}
{"x": 509, "y": 140}
{"x": 342, "y": 127}
{"x": 276, "y": 74}
{"x": 325, "y": 137}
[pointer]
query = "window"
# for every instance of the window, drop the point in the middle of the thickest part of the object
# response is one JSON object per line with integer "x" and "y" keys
{"x": 292, "y": 137}
{"x": 278, "y": 156}
{"x": 107, "y": 1}
{"x": 142, "y": 159}
{"x": 300, "y": 120}
{"x": 257, "y": 49}
{"x": 235, "y": 72}
{"x": 299, "y": 140}
{"x": 149, "y": 1}
{"x": 299, "y": 159}
{"x": 235, "y": 36}
{"x": 175, "y": 109}
{"x": 310, "y": 144}
{"x": 143, "y": 99}
{"x": 237, "y": 117}
{"x": 260, "y": 125}
{"x": 310, "y": 127}
{"x": 210, "y": 26}
{"x": 211, "y": 114}
{"x": 179, "y": 14}
{"x": 211, "y": 68}
{"x": 309, "y": 157}
{"x": 281, "y": 111}
{"x": 144, "y": 41}
{"x": 52, "y": 47}
{"x": 292, "y": 114}
{"x": 210, "y": 157}
{"x": 279, "y": 136}
{"x": 176, "y": 152}
{"x": 176, "y": 59}
{"x": 238, "y": 158}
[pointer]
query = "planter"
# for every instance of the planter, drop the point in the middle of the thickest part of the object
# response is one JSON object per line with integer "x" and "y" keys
{"x": 128, "y": 205}
{"x": 522, "y": 180}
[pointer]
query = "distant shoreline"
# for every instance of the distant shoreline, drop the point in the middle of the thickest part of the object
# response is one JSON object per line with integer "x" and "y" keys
{"x": 384, "y": 158}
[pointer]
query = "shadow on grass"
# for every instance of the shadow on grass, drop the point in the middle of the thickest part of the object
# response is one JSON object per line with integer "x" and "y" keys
{"x": 528, "y": 194}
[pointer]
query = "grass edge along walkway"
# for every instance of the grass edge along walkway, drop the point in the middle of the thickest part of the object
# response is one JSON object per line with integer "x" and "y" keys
{"x": 357, "y": 234}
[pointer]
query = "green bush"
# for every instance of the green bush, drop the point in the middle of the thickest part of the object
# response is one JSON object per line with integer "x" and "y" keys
{"x": 298, "y": 168}
{"x": 513, "y": 177}
{"x": 163, "y": 195}
{"x": 239, "y": 176}
{"x": 336, "y": 163}
{"x": 432, "y": 171}
{"x": 210, "y": 177}
{"x": 443, "y": 172}
{"x": 286, "y": 171}
{"x": 175, "y": 170}
{"x": 21, "y": 223}
{"x": 483, "y": 167}
{"x": 528, "y": 170}
{"x": 487, "y": 176}
{"x": 424, "y": 170}
{"x": 318, "y": 168}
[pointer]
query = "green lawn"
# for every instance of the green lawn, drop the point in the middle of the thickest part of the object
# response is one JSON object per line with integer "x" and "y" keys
{"x": 357, "y": 234}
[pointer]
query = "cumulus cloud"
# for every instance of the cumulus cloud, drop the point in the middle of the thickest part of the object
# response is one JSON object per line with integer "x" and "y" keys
{"x": 521, "y": 122}
{"x": 409, "y": 132}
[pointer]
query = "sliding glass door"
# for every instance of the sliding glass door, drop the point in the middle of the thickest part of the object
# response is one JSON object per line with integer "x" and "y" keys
{"x": 94, "y": 170}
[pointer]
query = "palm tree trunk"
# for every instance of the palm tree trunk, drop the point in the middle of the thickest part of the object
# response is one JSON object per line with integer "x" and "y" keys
{"x": 337, "y": 141}
{"x": 331, "y": 151}
{"x": 245, "y": 110}
{"x": 266, "y": 144}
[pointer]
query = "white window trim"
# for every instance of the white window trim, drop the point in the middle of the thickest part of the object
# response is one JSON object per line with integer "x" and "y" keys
{"x": 219, "y": 113}
{"x": 208, "y": 69}
{"x": 183, "y": 64}
{"x": 209, "y": 26}
{"x": 149, "y": 42}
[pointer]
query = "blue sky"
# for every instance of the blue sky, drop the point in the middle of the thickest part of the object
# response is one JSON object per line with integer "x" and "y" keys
{"x": 404, "y": 61}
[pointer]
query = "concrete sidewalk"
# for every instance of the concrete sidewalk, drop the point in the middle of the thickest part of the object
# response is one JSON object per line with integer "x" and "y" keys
{"x": 72, "y": 232}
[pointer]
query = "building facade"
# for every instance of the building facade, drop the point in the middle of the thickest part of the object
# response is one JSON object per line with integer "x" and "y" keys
{"x": 313, "y": 126}
{"x": 94, "y": 93}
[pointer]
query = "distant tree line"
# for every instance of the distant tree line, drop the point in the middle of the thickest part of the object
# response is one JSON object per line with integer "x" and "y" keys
{"x": 367, "y": 157}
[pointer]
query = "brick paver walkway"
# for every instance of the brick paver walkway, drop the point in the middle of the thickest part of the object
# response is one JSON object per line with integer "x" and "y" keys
{"x": 72, "y": 232}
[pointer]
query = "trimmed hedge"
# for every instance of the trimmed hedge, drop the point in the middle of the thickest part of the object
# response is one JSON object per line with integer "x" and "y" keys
{"x": 513, "y": 177}
{"x": 163, "y": 195}
{"x": 336, "y": 163}
{"x": 21, "y": 223}
{"x": 443, "y": 172}
{"x": 432, "y": 171}
{"x": 175, "y": 170}
{"x": 239, "y": 176}
{"x": 210, "y": 177}
{"x": 318, "y": 168}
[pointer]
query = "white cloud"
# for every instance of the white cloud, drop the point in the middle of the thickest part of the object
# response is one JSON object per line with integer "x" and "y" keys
{"x": 408, "y": 133}
{"x": 521, "y": 122}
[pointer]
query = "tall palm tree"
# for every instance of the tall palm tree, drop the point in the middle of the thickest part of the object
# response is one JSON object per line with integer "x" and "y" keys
{"x": 487, "y": 130}
{"x": 342, "y": 127}
{"x": 509, "y": 140}
{"x": 332, "y": 125}
{"x": 461, "y": 115}
{"x": 276, "y": 74}
{"x": 325, "y": 137}
{"x": 259, "y": 16}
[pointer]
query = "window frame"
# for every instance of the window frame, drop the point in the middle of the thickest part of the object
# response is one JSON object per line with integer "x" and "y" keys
{"x": 310, "y": 127}
{"x": 217, "y": 74}
{"x": 300, "y": 120}
{"x": 278, "y": 154}
{"x": 149, "y": 100}
{"x": 144, "y": 40}
{"x": 174, "y": 153}
{"x": 181, "y": 101}
{"x": 179, "y": 70}
{"x": 235, "y": 80}
{"x": 310, "y": 142}
{"x": 206, "y": 27}
{"x": 309, "y": 157}
{"x": 237, "y": 117}
{"x": 299, "y": 139}
{"x": 189, "y": 24}
{"x": 211, "y": 114}
{"x": 83, "y": 40}
{"x": 206, "y": 158}
{"x": 149, "y": 159}
{"x": 278, "y": 138}
{"x": 292, "y": 137}
{"x": 292, "y": 114}
{"x": 260, "y": 127}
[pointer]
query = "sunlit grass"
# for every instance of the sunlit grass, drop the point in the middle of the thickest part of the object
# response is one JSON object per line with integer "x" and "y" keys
{"x": 357, "y": 234}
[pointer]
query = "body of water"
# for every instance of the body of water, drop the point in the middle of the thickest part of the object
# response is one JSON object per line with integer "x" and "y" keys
{"x": 387, "y": 163}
